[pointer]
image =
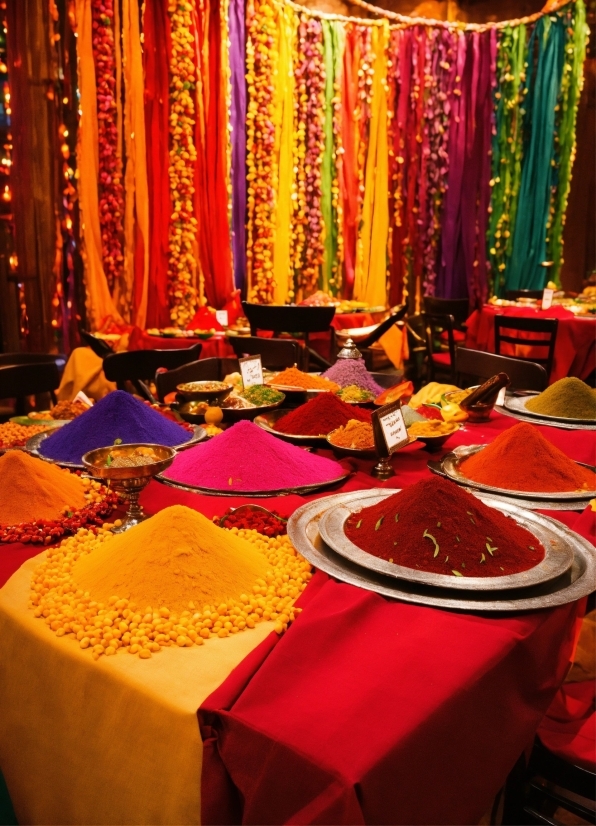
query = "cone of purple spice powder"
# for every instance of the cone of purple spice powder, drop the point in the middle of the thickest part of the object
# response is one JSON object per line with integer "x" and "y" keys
{"x": 352, "y": 371}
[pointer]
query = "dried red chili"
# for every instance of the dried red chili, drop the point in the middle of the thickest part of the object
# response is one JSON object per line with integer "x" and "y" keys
{"x": 244, "y": 519}
{"x": 436, "y": 526}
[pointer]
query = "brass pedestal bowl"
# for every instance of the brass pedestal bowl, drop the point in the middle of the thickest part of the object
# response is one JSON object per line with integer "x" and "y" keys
{"x": 129, "y": 480}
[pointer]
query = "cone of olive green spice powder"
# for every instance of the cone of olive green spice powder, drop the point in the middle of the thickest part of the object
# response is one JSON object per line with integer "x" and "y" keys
{"x": 568, "y": 398}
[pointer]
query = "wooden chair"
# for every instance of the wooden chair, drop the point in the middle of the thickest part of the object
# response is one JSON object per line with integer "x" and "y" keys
{"x": 13, "y": 359}
{"x": 18, "y": 381}
{"x": 276, "y": 353}
{"x": 294, "y": 320}
{"x": 140, "y": 366}
{"x": 211, "y": 369}
{"x": 472, "y": 366}
{"x": 100, "y": 347}
{"x": 538, "y": 333}
{"x": 440, "y": 360}
{"x": 513, "y": 295}
{"x": 459, "y": 308}
{"x": 534, "y": 793}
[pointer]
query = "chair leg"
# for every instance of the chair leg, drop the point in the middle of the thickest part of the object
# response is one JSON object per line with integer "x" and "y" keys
{"x": 513, "y": 803}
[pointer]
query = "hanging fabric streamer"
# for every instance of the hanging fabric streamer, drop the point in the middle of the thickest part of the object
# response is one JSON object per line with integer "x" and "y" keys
{"x": 237, "y": 57}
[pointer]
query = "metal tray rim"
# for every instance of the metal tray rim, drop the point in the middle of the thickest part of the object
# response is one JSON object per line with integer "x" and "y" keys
{"x": 32, "y": 446}
{"x": 450, "y": 463}
{"x": 332, "y": 530}
{"x": 517, "y": 404}
{"x": 300, "y": 491}
{"x": 328, "y": 561}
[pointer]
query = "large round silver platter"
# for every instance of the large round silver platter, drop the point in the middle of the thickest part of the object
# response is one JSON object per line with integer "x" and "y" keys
{"x": 451, "y": 463}
{"x": 267, "y": 422}
{"x": 302, "y": 490}
{"x": 33, "y": 445}
{"x": 517, "y": 404}
{"x": 530, "y": 504}
{"x": 557, "y": 559}
{"x": 577, "y": 582}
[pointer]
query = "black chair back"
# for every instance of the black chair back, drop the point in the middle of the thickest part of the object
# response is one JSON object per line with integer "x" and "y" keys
{"x": 10, "y": 359}
{"x": 21, "y": 380}
{"x": 434, "y": 325}
{"x": 513, "y": 295}
{"x": 475, "y": 365}
{"x": 100, "y": 348}
{"x": 542, "y": 335}
{"x": 459, "y": 308}
{"x": 276, "y": 353}
{"x": 211, "y": 369}
{"x": 140, "y": 366}
{"x": 288, "y": 318}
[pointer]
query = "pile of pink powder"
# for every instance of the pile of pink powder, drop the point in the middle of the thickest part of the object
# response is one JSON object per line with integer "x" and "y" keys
{"x": 246, "y": 458}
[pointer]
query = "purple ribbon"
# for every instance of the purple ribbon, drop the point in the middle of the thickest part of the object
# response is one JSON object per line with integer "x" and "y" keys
{"x": 238, "y": 123}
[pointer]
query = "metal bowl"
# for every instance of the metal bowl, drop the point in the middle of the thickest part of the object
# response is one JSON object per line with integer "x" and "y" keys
{"x": 95, "y": 462}
{"x": 436, "y": 442}
{"x": 267, "y": 422}
{"x": 204, "y": 391}
{"x": 358, "y": 453}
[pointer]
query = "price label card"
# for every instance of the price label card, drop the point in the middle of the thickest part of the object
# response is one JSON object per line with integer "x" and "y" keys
{"x": 389, "y": 428}
{"x": 547, "y": 299}
{"x": 251, "y": 369}
{"x": 221, "y": 316}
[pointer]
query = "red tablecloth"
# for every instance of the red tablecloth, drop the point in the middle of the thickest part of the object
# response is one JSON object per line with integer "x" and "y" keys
{"x": 370, "y": 710}
{"x": 216, "y": 346}
{"x": 575, "y": 348}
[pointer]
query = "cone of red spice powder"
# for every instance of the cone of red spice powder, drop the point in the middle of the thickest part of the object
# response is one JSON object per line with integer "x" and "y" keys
{"x": 320, "y": 416}
{"x": 436, "y": 526}
{"x": 522, "y": 459}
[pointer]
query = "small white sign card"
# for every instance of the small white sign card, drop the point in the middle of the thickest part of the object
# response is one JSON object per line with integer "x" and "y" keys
{"x": 547, "y": 299}
{"x": 251, "y": 369}
{"x": 221, "y": 316}
{"x": 501, "y": 397}
{"x": 389, "y": 429}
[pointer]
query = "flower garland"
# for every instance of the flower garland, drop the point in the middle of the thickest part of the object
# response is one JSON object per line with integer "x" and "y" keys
{"x": 262, "y": 57}
{"x": 338, "y": 153}
{"x": 111, "y": 191}
{"x": 299, "y": 216}
{"x": 182, "y": 270}
{"x": 315, "y": 147}
{"x": 362, "y": 116}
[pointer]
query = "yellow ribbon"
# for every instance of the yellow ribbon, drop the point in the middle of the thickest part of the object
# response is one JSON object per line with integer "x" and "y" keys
{"x": 370, "y": 277}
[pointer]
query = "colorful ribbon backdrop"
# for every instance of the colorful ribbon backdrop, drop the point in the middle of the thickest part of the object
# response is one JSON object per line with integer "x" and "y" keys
{"x": 284, "y": 151}
{"x": 439, "y": 154}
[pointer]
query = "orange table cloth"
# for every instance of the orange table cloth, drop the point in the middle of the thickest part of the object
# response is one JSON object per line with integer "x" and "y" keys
{"x": 369, "y": 710}
{"x": 575, "y": 347}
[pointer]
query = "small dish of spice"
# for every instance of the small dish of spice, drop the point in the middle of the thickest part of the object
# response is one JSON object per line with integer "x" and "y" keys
{"x": 352, "y": 394}
{"x": 433, "y": 432}
{"x": 353, "y": 439}
{"x": 204, "y": 390}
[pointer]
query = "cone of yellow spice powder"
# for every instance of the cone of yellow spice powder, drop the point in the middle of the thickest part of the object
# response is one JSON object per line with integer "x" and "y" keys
{"x": 175, "y": 579}
{"x": 175, "y": 557}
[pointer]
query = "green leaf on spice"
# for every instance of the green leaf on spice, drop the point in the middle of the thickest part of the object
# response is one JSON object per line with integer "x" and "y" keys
{"x": 501, "y": 568}
{"x": 457, "y": 573}
{"x": 397, "y": 517}
{"x": 359, "y": 523}
{"x": 447, "y": 559}
{"x": 68, "y": 514}
{"x": 379, "y": 523}
{"x": 431, "y": 537}
{"x": 109, "y": 460}
{"x": 531, "y": 547}
{"x": 491, "y": 549}
{"x": 482, "y": 559}
{"x": 458, "y": 539}
{"x": 463, "y": 564}
{"x": 117, "y": 441}
{"x": 489, "y": 539}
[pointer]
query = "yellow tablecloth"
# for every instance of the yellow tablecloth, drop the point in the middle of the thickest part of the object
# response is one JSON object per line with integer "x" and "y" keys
{"x": 109, "y": 742}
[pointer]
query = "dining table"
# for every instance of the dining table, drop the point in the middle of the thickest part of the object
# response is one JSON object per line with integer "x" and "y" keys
{"x": 575, "y": 345}
{"x": 366, "y": 710}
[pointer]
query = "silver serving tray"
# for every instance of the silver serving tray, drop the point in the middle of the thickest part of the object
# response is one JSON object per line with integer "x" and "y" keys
{"x": 450, "y": 465}
{"x": 517, "y": 404}
{"x": 33, "y": 444}
{"x": 302, "y": 490}
{"x": 267, "y": 421}
{"x": 531, "y": 504}
{"x": 577, "y": 582}
{"x": 556, "y": 562}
